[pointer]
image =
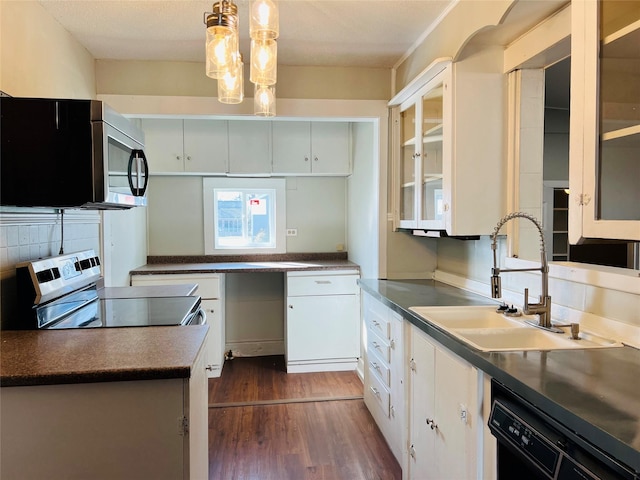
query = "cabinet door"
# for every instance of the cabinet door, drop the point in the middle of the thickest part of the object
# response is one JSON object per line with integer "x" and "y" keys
{"x": 291, "y": 147}
{"x": 431, "y": 172}
{"x": 323, "y": 327}
{"x": 455, "y": 384}
{"x": 215, "y": 339}
{"x": 206, "y": 146}
{"x": 330, "y": 148}
{"x": 605, "y": 123}
{"x": 407, "y": 191}
{"x": 163, "y": 144}
{"x": 249, "y": 146}
{"x": 422, "y": 408}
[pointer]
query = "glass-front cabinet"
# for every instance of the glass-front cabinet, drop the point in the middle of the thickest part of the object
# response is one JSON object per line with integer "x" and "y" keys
{"x": 448, "y": 147}
{"x": 421, "y": 124}
{"x": 605, "y": 121}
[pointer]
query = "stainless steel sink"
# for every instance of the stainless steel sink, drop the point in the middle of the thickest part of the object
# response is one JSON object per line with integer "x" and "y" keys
{"x": 482, "y": 328}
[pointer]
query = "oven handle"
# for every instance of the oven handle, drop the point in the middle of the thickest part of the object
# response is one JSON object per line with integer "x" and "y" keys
{"x": 198, "y": 318}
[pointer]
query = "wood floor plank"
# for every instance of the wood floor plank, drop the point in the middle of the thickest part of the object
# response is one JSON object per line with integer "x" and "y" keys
{"x": 247, "y": 379}
{"x": 272, "y": 439}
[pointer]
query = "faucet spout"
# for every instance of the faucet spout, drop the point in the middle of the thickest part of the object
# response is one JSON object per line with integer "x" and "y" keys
{"x": 543, "y": 307}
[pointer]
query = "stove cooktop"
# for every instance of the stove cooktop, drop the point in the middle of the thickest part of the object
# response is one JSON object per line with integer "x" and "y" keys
{"x": 122, "y": 312}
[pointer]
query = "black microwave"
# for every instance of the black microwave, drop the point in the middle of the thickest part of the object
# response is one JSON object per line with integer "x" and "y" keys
{"x": 70, "y": 154}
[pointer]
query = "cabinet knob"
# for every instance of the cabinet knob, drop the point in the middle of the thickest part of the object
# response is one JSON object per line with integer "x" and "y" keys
{"x": 306, "y": 159}
{"x": 188, "y": 157}
{"x": 178, "y": 157}
{"x": 291, "y": 307}
{"x": 315, "y": 159}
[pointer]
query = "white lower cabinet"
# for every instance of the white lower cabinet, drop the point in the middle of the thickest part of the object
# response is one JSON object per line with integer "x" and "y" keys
{"x": 384, "y": 392}
{"x": 141, "y": 429}
{"x": 322, "y": 321}
{"x": 211, "y": 291}
{"x": 443, "y": 412}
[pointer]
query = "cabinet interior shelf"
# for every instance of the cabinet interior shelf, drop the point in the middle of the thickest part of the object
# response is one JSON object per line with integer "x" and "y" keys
{"x": 409, "y": 143}
{"x": 434, "y": 130}
{"x": 627, "y": 133}
{"x": 432, "y": 177}
{"x": 409, "y": 185}
{"x": 632, "y": 30}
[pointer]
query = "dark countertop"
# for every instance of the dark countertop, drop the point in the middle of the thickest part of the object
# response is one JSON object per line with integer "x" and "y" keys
{"x": 48, "y": 357}
{"x": 593, "y": 392}
{"x": 243, "y": 267}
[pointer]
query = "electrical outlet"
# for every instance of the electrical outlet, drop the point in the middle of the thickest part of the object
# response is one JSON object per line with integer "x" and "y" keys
{"x": 292, "y": 232}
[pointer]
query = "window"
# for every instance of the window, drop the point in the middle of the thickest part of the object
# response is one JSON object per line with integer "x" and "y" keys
{"x": 244, "y": 215}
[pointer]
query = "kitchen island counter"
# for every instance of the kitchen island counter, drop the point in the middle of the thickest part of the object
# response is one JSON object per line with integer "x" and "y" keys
{"x": 50, "y": 357}
{"x": 594, "y": 392}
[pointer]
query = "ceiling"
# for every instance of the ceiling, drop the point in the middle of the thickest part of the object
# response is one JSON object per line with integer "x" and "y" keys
{"x": 373, "y": 33}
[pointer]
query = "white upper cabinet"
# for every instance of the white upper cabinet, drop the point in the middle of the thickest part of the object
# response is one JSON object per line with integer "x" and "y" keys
{"x": 250, "y": 147}
{"x": 449, "y": 152}
{"x": 186, "y": 145}
{"x": 311, "y": 148}
{"x": 604, "y": 155}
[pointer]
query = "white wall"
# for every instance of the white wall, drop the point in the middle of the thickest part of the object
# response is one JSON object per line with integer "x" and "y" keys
{"x": 363, "y": 200}
{"x": 38, "y": 58}
{"x": 316, "y": 206}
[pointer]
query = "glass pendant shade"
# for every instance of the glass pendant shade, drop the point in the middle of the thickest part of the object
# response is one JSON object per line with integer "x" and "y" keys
{"x": 264, "y": 100}
{"x": 231, "y": 84}
{"x": 221, "y": 46}
{"x": 264, "y": 62}
{"x": 222, "y": 38}
{"x": 264, "y": 21}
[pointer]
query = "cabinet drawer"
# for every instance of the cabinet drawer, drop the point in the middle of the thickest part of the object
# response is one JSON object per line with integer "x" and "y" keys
{"x": 379, "y": 346}
{"x": 379, "y": 394}
{"x": 208, "y": 286}
{"x": 379, "y": 368}
{"x": 377, "y": 322}
{"x": 298, "y": 286}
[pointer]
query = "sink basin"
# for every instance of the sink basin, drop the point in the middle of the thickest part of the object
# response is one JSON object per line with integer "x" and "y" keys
{"x": 483, "y": 316}
{"x": 482, "y": 328}
{"x": 528, "y": 338}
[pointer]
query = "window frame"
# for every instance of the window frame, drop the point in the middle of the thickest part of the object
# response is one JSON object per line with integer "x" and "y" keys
{"x": 209, "y": 184}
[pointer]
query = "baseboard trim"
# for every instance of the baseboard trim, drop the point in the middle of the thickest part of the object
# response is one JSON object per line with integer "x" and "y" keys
{"x": 260, "y": 348}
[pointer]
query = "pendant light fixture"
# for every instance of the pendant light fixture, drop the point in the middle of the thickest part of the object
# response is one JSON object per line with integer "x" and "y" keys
{"x": 264, "y": 100}
{"x": 231, "y": 84}
{"x": 224, "y": 62}
{"x": 222, "y": 38}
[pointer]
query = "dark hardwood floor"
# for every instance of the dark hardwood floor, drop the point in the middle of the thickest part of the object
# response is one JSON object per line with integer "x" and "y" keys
{"x": 265, "y": 424}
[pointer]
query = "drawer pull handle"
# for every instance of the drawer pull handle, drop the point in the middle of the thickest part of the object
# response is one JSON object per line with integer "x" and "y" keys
{"x": 431, "y": 422}
{"x": 375, "y": 391}
{"x": 323, "y": 282}
{"x": 376, "y": 366}
{"x": 376, "y": 323}
{"x": 377, "y": 346}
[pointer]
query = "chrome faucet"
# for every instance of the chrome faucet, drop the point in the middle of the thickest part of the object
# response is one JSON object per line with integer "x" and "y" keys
{"x": 543, "y": 307}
